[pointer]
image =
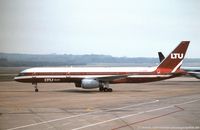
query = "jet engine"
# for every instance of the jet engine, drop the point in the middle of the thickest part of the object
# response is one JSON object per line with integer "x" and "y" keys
{"x": 90, "y": 83}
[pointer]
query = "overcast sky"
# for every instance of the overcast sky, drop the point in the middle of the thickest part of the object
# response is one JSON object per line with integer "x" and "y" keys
{"x": 112, "y": 27}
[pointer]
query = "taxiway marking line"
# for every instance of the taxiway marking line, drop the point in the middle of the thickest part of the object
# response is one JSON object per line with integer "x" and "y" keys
{"x": 135, "y": 114}
{"x": 66, "y": 123}
{"x": 152, "y": 118}
{"x": 84, "y": 114}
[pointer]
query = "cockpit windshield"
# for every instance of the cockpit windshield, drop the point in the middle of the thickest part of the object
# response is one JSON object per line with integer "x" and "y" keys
{"x": 21, "y": 74}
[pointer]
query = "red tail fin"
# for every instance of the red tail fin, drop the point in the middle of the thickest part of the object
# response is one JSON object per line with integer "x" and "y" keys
{"x": 174, "y": 60}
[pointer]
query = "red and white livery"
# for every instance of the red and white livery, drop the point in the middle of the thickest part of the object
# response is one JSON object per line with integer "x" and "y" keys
{"x": 101, "y": 77}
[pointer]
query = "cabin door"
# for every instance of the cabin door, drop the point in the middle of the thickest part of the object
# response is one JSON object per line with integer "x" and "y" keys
{"x": 34, "y": 78}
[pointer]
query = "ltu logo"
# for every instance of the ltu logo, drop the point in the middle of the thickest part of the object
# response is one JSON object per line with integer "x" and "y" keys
{"x": 177, "y": 56}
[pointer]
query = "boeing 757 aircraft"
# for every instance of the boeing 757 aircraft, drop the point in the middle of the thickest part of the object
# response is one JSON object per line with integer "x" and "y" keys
{"x": 101, "y": 77}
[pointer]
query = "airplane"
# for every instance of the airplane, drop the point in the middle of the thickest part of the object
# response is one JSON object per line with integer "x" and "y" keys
{"x": 191, "y": 71}
{"x": 101, "y": 77}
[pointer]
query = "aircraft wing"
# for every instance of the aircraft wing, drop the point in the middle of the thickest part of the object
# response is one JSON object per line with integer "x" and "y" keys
{"x": 111, "y": 78}
{"x": 106, "y": 78}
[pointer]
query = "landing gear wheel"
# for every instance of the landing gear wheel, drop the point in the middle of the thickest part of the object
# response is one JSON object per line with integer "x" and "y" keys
{"x": 36, "y": 90}
{"x": 105, "y": 89}
{"x": 110, "y": 90}
{"x": 101, "y": 89}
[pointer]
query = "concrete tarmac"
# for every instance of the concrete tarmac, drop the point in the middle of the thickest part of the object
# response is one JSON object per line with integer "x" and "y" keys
{"x": 172, "y": 104}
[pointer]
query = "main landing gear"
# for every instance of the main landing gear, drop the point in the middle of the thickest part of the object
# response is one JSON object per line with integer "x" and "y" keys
{"x": 105, "y": 88}
{"x": 35, "y": 86}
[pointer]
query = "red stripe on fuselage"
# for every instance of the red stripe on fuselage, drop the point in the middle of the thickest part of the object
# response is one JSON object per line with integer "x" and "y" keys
{"x": 87, "y": 73}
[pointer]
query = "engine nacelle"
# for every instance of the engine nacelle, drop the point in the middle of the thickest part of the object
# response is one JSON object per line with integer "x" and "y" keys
{"x": 90, "y": 83}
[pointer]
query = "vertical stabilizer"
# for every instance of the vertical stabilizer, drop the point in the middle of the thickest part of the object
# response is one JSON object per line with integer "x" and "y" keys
{"x": 174, "y": 60}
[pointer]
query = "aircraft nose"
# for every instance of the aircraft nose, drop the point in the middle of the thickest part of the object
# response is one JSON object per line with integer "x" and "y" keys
{"x": 16, "y": 78}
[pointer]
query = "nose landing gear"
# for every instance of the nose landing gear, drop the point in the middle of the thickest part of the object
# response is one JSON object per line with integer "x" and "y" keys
{"x": 35, "y": 86}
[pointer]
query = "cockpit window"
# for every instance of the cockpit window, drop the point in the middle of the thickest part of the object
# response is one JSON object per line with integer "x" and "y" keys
{"x": 21, "y": 74}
